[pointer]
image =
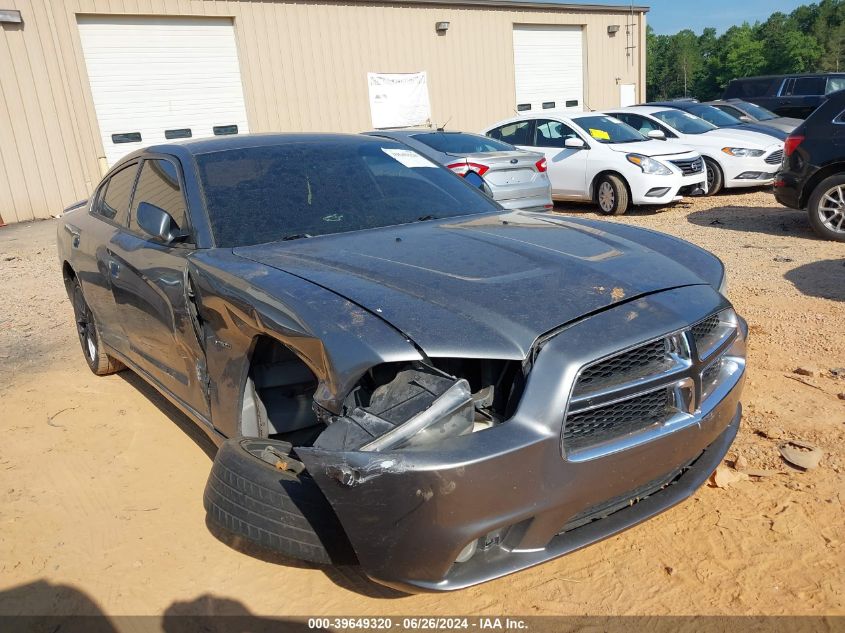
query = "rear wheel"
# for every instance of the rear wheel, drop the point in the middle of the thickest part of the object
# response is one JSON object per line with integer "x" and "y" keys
{"x": 826, "y": 209}
{"x": 95, "y": 353}
{"x": 715, "y": 179}
{"x": 612, "y": 195}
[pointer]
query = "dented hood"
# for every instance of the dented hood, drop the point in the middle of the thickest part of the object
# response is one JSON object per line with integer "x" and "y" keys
{"x": 488, "y": 286}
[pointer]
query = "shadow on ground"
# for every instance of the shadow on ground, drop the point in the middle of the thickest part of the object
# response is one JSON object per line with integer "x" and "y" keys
{"x": 767, "y": 220}
{"x": 43, "y": 606}
{"x": 349, "y": 577}
{"x": 176, "y": 416}
{"x": 824, "y": 279}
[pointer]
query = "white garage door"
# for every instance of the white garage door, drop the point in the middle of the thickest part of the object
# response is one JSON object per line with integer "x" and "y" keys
{"x": 154, "y": 79}
{"x": 549, "y": 63}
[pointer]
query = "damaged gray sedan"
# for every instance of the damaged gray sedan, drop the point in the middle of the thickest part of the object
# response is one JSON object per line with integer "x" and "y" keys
{"x": 396, "y": 370}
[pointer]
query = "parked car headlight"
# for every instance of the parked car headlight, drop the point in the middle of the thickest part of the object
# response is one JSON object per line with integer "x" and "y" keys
{"x": 649, "y": 165}
{"x": 743, "y": 152}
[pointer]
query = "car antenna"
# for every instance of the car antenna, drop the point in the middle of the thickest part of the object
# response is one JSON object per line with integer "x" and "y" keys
{"x": 442, "y": 128}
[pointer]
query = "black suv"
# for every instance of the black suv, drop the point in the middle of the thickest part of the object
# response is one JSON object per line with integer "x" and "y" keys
{"x": 787, "y": 95}
{"x": 812, "y": 176}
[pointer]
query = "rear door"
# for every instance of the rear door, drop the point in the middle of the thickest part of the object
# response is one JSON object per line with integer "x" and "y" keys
{"x": 151, "y": 289}
{"x": 799, "y": 96}
{"x": 110, "y": 207}
{"x": 567, "y": 168}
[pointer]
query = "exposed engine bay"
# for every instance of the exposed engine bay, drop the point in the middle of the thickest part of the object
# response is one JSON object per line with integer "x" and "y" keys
{"x": 416, "y": 406}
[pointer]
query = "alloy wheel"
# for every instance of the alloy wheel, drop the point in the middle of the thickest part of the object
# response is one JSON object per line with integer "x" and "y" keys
{"x": 832, "y": 209}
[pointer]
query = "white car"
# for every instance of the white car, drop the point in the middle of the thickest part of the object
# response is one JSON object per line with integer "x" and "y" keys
{"x": 595, "y": 157}
{"x": 734, "y": 158}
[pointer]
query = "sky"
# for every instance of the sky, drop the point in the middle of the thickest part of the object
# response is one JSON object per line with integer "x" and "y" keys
{"x": 671, "y": 16}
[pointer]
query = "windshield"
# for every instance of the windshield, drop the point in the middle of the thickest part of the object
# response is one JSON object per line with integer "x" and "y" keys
{"x": 684, "y": 122}
{"x": 316, "y": 187}
{"x": 607, "y": 130}
{"x": 715, "y": 116}
{"x": 758, "y": 112}
{"x": 460, "y": 143}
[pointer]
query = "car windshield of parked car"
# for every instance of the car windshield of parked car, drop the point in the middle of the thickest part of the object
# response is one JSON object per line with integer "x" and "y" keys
{"x": 607, "y": 130}
{"x": 758, "y": 112}
{"x": 715, "y": 116}
{"x": 684, "y": 122}
{"x": 460, "y": 143}
{"x": 306, "y": 188}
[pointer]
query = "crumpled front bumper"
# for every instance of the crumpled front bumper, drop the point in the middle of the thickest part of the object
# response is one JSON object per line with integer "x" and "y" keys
{"x": 409, "y": 514}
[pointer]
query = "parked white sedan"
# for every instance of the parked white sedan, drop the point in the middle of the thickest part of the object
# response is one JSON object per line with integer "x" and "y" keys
{"x": 734, "y": 158}
{"x": 592, "y": 156}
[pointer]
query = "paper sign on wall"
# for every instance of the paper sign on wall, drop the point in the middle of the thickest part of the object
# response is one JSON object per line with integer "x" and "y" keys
{"x": 399, "y": 100}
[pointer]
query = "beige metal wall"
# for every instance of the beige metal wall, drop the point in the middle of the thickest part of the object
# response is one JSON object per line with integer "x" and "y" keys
{"x": 303, "y": 66}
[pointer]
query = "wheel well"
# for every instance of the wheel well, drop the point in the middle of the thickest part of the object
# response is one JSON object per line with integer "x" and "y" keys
{"x": 599, "y": 176}
{"x": 278, "y": 393}
{"x": 68, "y": 274}
{"x": 818, "y": 177}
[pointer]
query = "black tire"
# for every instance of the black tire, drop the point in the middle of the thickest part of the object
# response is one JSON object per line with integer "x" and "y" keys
{"x": 95, "y": 352}
{"x": 612, "y": 195}
{"x": 715, "y": 178}
{"x": 276, "y": 509}
{"x": 826, "y": 208}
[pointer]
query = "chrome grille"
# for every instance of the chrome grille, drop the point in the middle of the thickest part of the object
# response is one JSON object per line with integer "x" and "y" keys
{"x": 775, "y": 158}
{"x": 615, "y": 420}
{"x": 656, "y": 383}
{"x": 690, "y": 166}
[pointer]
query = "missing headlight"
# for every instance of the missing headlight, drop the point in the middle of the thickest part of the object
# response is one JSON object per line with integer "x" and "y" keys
{"x": 419, "y": 406}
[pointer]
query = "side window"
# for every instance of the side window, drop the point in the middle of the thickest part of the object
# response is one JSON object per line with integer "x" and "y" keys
{"x": 517, "y": 133}
{"x": 806, "y": 86}
{"x": 159, "y": 185}
{"x": 835, "y": 84}
{"x": 552, "y": 134}
{"x": 113, "y": 200}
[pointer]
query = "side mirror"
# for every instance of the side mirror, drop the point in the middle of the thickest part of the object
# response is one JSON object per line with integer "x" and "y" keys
{"x": 574, "y": 143}
{"x": 746, "y": 119}
{"x": 658, "y": 135}
{"x": 158, "y": 223}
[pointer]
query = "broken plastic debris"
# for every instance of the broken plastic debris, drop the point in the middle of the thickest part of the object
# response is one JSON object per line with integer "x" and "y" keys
{"x": 801, "y": 454}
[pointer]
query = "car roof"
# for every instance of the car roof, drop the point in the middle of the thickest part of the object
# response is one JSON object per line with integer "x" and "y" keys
{"x": 242, "y": 141}
{"x": 680, "y": 105}
{"x": 640, "y": 109}
{"x": 408, "y": 132}
{"x": 788, "y": 75}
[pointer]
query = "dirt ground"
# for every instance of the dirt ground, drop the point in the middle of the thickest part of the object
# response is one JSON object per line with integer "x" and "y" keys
{"x": 101, "y": 479}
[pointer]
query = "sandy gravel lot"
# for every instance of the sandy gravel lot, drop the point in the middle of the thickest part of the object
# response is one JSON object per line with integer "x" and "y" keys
{"x": 101, "y": 479}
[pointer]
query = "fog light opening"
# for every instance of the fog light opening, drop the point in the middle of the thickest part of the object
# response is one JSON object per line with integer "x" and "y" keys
{"x": 467, "y": 552}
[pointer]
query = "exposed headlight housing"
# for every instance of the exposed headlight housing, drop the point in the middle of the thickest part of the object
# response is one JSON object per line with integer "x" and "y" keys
{"x": 649, "y": 165}
{"x": 743, "y": 152}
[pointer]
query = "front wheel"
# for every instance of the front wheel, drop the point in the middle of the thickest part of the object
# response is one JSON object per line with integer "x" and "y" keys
{"x": 95, "y": 354}
{"x": 715, "y": 179}
{"x": 612, "y": 195}
{"x": 826, "y": 208}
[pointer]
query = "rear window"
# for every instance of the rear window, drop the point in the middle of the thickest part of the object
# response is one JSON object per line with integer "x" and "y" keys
{"x": 306, "y": 188}
{"x": 460, "y": 143}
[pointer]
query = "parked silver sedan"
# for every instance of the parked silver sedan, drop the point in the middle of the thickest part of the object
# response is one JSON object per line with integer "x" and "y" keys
{"x": 516, "y": 179}
{"x": 752, "y": 113}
